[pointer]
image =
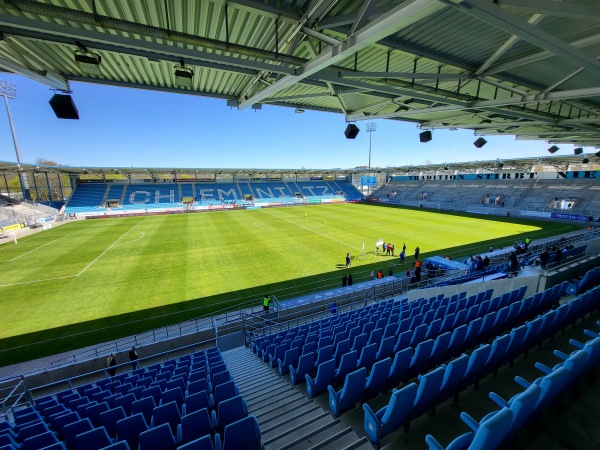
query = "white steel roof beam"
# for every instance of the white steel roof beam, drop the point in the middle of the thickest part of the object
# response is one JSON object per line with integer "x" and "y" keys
{"x": 407, "y": 75}
{"x": 496, "y": 16}
{"x": 552, "y": 8}
{"x": 398, "y": 18}
{"x": 48, "y": 78}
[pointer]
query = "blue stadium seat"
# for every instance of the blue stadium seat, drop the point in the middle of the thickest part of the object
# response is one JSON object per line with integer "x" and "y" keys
{"x": 244, "y": 433}
{"x": 122, "y": 445}
{"x": 108, "y": 419}
{"x": 325, "y": 376}
{"x": 291, "y": 359}
{"x": 377, "y": 379}
{"x": 223, "y": 392}
{"x": 400, "y": 367}
{"x": 196, "y": 402}
{"x": 173, "y": 395}
{"x": 348, "y": 396}
{"x": 304, "y": 367}
{"x": 95, "y": 439}
{"x": 71, "y": 431}
{"x": 39, "y": 441}
{"x": 421, "y": 357}
{"x": 428, "y": 390}
{"x": 93, "y": 413}
{"x": 166, "y": 413}
{"x": 59, "y": 423}
{"x": 194, "y": 426}
{"x": 229, "y": 411}
{"x": 454, "y": 373}
{"x": 157, "y": 438}
{"x": 203, "y": 443}
{"x": 144, "y": 406}
{"x": 367, "y": 356}
{"x": 130, "y": 428}
{"x": 199, "y": 385}
{"x": 31, "y": 430}
{"x": 522, "y": 405}
{"x": 348, "y": 363}
{"x": 391, "y": 417}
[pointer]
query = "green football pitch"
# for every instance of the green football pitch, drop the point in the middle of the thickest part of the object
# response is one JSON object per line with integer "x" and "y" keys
{"x": 95, "y": 280}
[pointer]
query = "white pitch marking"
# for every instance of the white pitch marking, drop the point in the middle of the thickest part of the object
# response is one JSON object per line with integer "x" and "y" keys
{"x": 127, "y": 243}
{"x": 311, "y": 230}
{"x": 35, "y": 249}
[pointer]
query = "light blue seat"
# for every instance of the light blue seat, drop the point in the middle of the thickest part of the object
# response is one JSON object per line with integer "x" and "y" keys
{"x": 95, "y": 439}
{"x": 304, "y": 367}
{"x": 244, "y": 433}
{"x": 487, "y": 436}
{"x": 418, "y": 335}
{"x": 400, "y": 367}
{"x": 229, "y": 411}
{"x": 377, "y": 379}
{"x": 522, "y": 405}
{"x": 498, "y": 350}
{"x": 428, "y": 390}
{"x": 402, "y": 341}
{"x": 158, "y": 438}
{"x": 167, "y": 413}
{"x": 130, "y": 428}
{"x": 551, "y": 385}
{"x": 194, "y": 426}
{"x": 455, "y": 372}
{"x": 477, "y": 361}
{"x": 196, "y": 402}
{"x": 420, "y": 359}
{"x": 391, "y": 417}
{"x": 440, "y": 347}
{"x": 347, "y": 364}
{"x": 291, "y": 359}
{"x": 325, "y": 376}
{"x": 346, "y": 398}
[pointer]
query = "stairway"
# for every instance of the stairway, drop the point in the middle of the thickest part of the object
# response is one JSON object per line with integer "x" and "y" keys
{"x": 287, "y": 418}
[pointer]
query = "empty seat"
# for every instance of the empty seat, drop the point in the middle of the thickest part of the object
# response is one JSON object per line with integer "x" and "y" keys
{"x": 203, "y": 443}
{"x": 71, "y": 431}
{"x": 157, "y": 438}
{"x": 229, "y": 411}
{"x": 391, "y": 417}
{"x": 38, "y": 441}
{"x": 95, "y": 439}
{"x": 167, "y": 413}
{"x": 173, "y": 395}
{"x": 144, "y": 406}
{"x": 108, "y": 419}
{"x": 242, "y": 434}
{"x": 304, "y": 367}
{"x": 194, "y": 426}
{"x": 195, "y": 402}
{"x": 130, "y": 428}
{"x": 377, "y": 378}
{"x": 224, "y": 391}
{"x": 325, "y": 376}
{"x": 291, "y": 359}
{"x": 348, "y": 396}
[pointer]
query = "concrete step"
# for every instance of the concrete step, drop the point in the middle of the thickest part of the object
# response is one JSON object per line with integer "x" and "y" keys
{"x": 293, "y": 430}
{"x": 279, "y": 409}
{"x": 360, "y": 444}
{"x": 312, "y": 436}
{"x": 299, "y": 414}
{"x": 268, "y": 400}
{"x": 335, "y": 441}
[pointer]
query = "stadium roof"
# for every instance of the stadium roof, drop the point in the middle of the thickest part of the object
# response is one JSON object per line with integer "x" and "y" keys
{"x": 528, "y": 68}
{"x": 549, "y": 163}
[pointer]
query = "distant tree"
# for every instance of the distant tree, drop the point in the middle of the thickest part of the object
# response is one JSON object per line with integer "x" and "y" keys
{"x": 48, "y": 186}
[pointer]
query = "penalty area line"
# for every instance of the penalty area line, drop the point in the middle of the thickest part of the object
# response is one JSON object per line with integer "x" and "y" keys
{"x": 36, "y": 249}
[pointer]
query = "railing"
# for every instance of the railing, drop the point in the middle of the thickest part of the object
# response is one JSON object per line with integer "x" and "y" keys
{"x": 13, "y": 394}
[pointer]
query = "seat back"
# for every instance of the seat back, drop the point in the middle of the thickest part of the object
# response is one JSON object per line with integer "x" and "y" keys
{"x": 224, "y": 391}
{"x": 173, "y": 395}
{"x": 194, "y": 426}
{"x": 377, "y": 377}
{"x": 108, "y": 419}
{"x": 242, "y": 434}
{"x": 95, "y": 439}
{"x": 492, "y": 431}
{"x": 166, "y": 413}
{"x": 196, "y": 402}
{"x": 367, "y": 356}
{"x": 130, "y": 428}
{"x": 144, "y": 406}
{"x": 71, "y": 431}
{"x": 229, "y": 411}
{"x": 325, "y": 376}
{"x": 157, "y": 438}
{"x": 429, "y": 388}
{"x": 397, "y": 409}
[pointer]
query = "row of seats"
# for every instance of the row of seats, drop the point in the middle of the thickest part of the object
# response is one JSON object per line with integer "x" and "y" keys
{"x": 425, "y": 345}
{"x": 500, "y": 427}
{"x": 449, "y": 379}
{"x": 167, "y": 407}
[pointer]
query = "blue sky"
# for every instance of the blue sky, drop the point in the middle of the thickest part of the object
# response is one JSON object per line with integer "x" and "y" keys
{"x": 122, "y": 127}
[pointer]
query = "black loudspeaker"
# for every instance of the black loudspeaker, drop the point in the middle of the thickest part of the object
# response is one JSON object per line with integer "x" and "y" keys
{"x": 585, "y": 161}
{"x": 578, "y": 151}
{"x": 425, "y": 136}
{"x": 553, "y": 149}
{"x": 480, "y": 142}
{"x": 597, "y": 153}
{"x": 351, "y": 131}
{"x": 63, "y": 106}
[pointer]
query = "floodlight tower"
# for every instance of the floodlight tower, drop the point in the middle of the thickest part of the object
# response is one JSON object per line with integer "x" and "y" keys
{"x": 371, "y": 127}
{"x": 9, "y": 90}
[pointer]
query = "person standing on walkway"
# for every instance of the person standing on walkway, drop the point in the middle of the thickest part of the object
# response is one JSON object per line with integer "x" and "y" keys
{"x": 133, "y": 357}
{"x": 348, "y": 260}
{"x": 344, "y": 280}
{"x": 266, "y": 301}
{"x": 111, "y": 362}
{"x": 350, "y": 280}
{"x": 417, "y": 251}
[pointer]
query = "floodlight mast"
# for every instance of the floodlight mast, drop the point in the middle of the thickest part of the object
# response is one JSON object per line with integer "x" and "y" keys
{"x": 9, "y": 90}
{"x": 371, "y": 127}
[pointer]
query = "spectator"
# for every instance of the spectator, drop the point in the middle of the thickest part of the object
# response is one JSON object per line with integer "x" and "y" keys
{"x": 379, "y": 274}
{"x": 350, "y": 280}
{"x": 344, "y": 280}
{"x": 544, "y": 258}
{"x": 133, "y": 357}
{"x": 391, "y": 273}
{"x": 417, "y": 251}
{"x": 266, "y": 301}
{"x": 111, "y": 362}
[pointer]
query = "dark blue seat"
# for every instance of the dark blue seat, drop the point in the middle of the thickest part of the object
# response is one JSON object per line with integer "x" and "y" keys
{"x": 391, "y": 417}
{"x": 38, "y": 441}
{"x": 59, "y": 423}
{"x": 203, "y": 443}
{"x": 346, "y": 398}
{"x": 177, "y": 383}
{"x": 194, "y": 426}
{"x": 199, "y": 385}
{"x": 95, "y": 439}
{"x": 130, "y": 428}
{"x": 386, "y": 348}
{"x": 342, "y": 348}
{"x": 93, "y": 413}
{"x": 108, "y": 419}
{"x": 359, "y": 342}
{"x": 145, "y": 407}
{"x": 158, "y": 438}
{"x": 325, "y": 376}
{"x": 242, "y": 434}
{"x": 347, "y": 364}
{"x": 125, "y": 402}
{"x": 304, "y": 367}
{"x": 71, "y": 431}
{"x": 196, "y": 402}
{"x": 279, "y": 353}
{"x": 224, "y": 391}
{"x": 377, "y": 379}
{"x": 153, "y": 392}
{"x": 32, "y": 429}
{"x": 167, "y": 413}
{"x": 229, "y": 411}
{"x": 173, "y": 395}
